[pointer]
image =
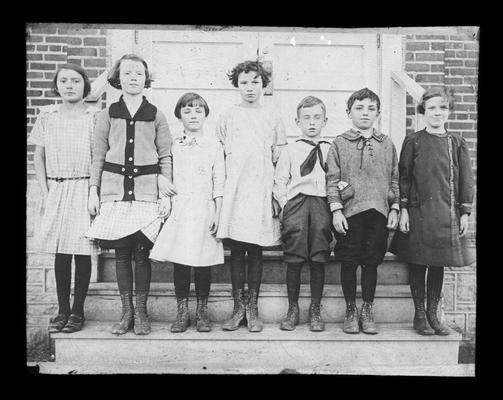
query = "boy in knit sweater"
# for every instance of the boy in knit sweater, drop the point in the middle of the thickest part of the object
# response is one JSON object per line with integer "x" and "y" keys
{"x": 362, "y": 189}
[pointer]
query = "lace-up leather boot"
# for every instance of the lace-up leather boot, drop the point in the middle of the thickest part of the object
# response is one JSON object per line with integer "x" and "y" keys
{"x": 431, "y": 315}
{"x": 203, "y": 323}
{"x": 367, "y": 323}
{"x": 351, "y": 319}
{"x": 141, "y": 322}
{"x": 254, "y": 322}
{"x": 127, "y": 319}
{"x": 182, "y": 317}
{"x": 316, "y": 324}
{"x": 238, "y": 313}
{"x": 292, "y": 317}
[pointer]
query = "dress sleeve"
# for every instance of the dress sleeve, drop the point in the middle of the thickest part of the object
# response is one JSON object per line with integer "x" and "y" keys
{"x": 405, "y": 170}
{"x": 163, "y": 141}
{"x": 37, "y": 135}
{"x": 218, "y": 173}
{"x": 99, "y": 146}
{"x": 466, "y": 180}
{"x": 282, "y": 176}
{"x": 395, "y": 188}
{"x": 279, "y": 140}
{"x": 221, "y": 133}
{"x": 333, "y": 177}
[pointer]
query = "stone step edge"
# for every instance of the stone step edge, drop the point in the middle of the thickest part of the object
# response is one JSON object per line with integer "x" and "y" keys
{"x": 388, "y": 332}
{"x": 266, "y": 290}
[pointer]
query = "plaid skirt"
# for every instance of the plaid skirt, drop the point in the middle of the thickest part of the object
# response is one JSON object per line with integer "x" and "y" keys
{"x": 118, "y": 219}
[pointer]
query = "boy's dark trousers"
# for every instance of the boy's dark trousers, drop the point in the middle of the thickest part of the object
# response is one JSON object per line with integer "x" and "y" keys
{"x": 306, "y": 236}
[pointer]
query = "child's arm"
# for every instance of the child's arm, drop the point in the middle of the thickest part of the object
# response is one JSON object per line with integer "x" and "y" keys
{"x": 466, "y": 186}
{"x": 282, "y": 176}
{"x": 218, "y": 177}
{"x": 221, "y": 133}
{"x": 163, "y": 143}
{"x": 40, "y": 172}
{"x": 405, "y": 168}
{"x": 333, "y": 177}
{"x": 279, "y": 140}
{"x": 395, "y": 205}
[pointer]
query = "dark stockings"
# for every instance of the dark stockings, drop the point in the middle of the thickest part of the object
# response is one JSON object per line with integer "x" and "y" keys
{"x": 368, "y": 281}
{"x": 63, "y": 273}
{"x": 255, "y": 265}
{"x": 435, "y": 280}
{"x": 317, "y": 280}
{"x": 124, "y": 269}
{"x": 293, "y": 281}
{"x": 181, "y": 277}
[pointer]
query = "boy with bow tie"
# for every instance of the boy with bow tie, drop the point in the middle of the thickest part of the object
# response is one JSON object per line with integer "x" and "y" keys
{"x": 362, "y": 188}
{"x": 300, "y": 190}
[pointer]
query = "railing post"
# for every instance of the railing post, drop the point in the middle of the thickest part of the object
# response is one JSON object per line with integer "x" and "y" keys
{"x": 398, "y": 112}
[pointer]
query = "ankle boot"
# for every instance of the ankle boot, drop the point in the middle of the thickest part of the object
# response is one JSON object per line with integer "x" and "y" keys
{"x": 367, "y": 324}
{"x": 292, "y": 317}
{"x": 238, "y": 313}
{"x": 182, "y": 317}
{"x": 417, "y": 290}
{"x": 127, "y": 319}
{"x": 316, "y": 324}
{"x": 351, "y": 324}
{"x": 141, "y": 322}
{"x": 431, "y": 315}
{"x": 254, "y": 323}
{"x": 203, "y": 323}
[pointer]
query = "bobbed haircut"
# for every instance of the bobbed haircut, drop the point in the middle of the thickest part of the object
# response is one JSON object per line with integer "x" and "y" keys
{"x": 436, "y": 91}
{"x": 79, "y": 70}
{"x": 247, "y": 66}
{"x": 114, "y": 74}
{"x": 191, "y": 100}
{"x": 311, "y": 101}
{"x": 363, "y": 94}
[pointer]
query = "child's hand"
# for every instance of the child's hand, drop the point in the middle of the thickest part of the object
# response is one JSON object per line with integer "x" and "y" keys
{"x": 214, "y": 224}
{"x": 404, "y": 221}
{"x": 392, "y": 219}
{"x": 166, "y": 188}
{"x": 276, "y": 208}
{"x": 93, "y": 203}
{"x": 164, "y": 207}
{"x": 463, "y": 225}
{"x": 340, "y": 223}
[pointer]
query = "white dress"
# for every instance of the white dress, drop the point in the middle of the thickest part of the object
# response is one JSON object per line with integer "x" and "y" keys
{"x": 198, "y": 175}
{"x": 67, "y": 145}
{"x": 252, "y": 139}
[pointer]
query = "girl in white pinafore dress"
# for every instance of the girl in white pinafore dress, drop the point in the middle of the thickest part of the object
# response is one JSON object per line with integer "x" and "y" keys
{"x": 62, "y": 135}
{"x": 252, "y": 136}
{"x": 187, "y": 238}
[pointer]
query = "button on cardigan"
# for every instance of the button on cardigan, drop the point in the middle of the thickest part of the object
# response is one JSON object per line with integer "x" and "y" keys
{"x": 143, "y": 139}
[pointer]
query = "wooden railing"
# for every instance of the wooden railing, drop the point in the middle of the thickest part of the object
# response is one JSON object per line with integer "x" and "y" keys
{"x": 401, "y": 85}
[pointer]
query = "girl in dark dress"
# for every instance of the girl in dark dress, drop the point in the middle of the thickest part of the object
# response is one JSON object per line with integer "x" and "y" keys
{"x": 436, "y": 194}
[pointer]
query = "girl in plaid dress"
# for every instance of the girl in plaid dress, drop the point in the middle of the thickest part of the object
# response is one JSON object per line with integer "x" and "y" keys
{"x": 62, "y": 136}
{"x": 131, "y": 146}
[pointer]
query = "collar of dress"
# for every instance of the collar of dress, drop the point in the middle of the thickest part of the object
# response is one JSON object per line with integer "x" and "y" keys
{"x": 184, "y": 139}
{"x": 146, "y": 111}
{"x": 354, "y": 134}
{"x": 52, "y": 108}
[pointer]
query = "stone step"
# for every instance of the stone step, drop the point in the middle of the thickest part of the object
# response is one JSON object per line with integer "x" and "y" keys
{"x": 392, "y": 302}
{"x": 269, "y": 351}
{"x": 390, "y": 272}
{"x": 79, "y": 368}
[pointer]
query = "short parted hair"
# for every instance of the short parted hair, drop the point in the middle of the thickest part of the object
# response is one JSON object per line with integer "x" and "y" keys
{"x": 311, "y": 101}
{"x": 191, "y": 100}
{"x": 363, "y": 94}
{"x": 247, "y": 66}
{"x": 79, "y": 70}
{"x": 114, "y": 74}
{"x": 436, "y": 91}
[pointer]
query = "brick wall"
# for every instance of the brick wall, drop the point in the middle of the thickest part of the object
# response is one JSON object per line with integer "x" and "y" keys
{"x": 451, "y": 61}
{"x": 47, "y": 47}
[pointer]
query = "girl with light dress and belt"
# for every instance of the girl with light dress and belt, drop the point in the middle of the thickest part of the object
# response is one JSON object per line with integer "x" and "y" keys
{"x": 62, "y": 136}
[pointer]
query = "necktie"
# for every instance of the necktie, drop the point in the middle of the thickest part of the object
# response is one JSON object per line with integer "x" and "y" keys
{"x": 307, "y": 166}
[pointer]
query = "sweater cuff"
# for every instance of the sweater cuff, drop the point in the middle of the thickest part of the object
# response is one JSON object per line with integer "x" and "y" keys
{"x": 336, "y": 206}
{"x": 404, "y": 202}
{"x": 395, "y": 206}
{"x": 465, "y": 208}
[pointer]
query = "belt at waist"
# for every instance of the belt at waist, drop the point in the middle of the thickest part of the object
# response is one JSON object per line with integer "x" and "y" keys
{"x": 132, "y": 170}
{"x": 61, "y": 179}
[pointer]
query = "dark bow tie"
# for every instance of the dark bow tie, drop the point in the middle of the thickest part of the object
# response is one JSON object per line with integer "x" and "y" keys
{"x": 307, "y": 166}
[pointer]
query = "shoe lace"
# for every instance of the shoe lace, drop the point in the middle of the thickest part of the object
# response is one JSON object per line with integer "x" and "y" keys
{"x": 315, "y": 312}
{"x": 351, "y": 312}
{"x": 367, "y": 312}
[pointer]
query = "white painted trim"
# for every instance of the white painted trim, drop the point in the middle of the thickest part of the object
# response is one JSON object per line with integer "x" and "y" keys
{"x": 391, "y": 55}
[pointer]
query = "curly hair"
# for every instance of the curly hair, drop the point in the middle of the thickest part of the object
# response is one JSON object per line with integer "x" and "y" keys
{"x": 114, "y": 74}
{"x": 436, "y": 91}
{"x": 79, "y": 70}
{"x": 247, "y": 66}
